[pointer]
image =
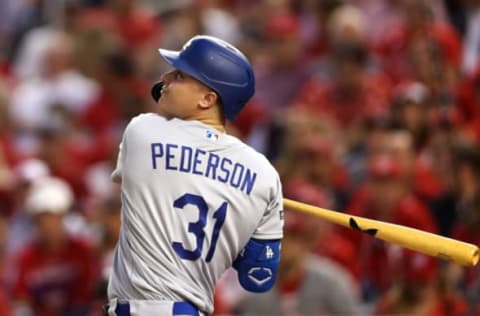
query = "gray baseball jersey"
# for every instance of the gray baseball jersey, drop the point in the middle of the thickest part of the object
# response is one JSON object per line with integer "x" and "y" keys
{"x": 191, "y": 199}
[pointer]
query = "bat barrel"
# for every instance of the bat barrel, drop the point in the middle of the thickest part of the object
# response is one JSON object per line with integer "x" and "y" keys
{"x": 411, "y": 238}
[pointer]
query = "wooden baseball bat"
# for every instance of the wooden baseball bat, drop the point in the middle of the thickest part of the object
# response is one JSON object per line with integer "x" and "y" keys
{"x": 434, "y": 245}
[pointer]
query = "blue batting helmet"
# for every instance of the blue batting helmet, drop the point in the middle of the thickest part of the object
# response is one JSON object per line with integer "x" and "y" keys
{"x": 218, "y": 65}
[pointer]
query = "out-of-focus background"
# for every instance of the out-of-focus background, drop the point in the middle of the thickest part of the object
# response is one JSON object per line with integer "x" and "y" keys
{"x": 370, "y": 107}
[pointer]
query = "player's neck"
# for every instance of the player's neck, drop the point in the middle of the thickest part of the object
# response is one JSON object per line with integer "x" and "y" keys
{"x": 218, "y": 126}
{"x": 215, "y": 121}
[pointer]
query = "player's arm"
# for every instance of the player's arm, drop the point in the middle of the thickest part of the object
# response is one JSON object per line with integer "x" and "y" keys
{"x": 257, "y": 264}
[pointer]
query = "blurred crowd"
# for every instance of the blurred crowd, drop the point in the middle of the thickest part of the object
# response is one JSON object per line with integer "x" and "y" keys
{"x": 370, "y": 107}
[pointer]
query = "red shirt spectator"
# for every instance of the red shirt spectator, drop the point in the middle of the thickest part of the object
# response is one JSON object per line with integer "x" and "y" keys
{"x": 55, "y": 274}
{"x": 416, "y": 291}
{"x": 65, "y": 160}
{"x": 55, "y": 282}
{"x": 362, "y": 95}
{"x": 5, "y": 308}
{"x": 396, "y": 43}
{"x": 385, "y": 197}
{"x": 134, "y": 24}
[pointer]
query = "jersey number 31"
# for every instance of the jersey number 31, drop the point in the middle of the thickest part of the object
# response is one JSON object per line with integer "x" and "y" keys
{"x": 197, "y": 227}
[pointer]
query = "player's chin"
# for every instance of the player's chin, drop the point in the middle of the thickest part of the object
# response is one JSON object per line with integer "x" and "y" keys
{"x": 160, "y": 107}
{"x": 162, "y": 101}
{"x": 163, "y": 111}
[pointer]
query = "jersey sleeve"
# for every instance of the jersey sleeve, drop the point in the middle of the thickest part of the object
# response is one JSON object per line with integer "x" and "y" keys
{"x": 271, "y": 224}
{"x": 116, "y": 175}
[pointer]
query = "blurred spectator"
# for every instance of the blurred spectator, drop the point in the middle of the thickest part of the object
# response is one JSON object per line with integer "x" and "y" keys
{"x": 5, "y": 308}
{"x": 59, "y": 92}
{"x": 134, "y": 23}
{"x": 55, "y": 273}
{"x": 350, "y": 88}
{"x": 471, "y": 42}
{"x": 8, "y": 147}
{"x": 347, "y": 24}
{"x": 60, "y": 153}
{"x": 410, "y": 111}
{"x": 314, "y": 158}
{"x": 306, "y": 285}
{"x": 180, "y": 21}
{"x": 281, "y": 71}
{"x": 467, "y": 225}
{"x": 218, "y": 20}
{"x": 417, "y": 290}
{"x": 122, "y": 95}
{"x": 330, "y": 243}
{"x": 317, "y": 14}
{"x": 8, "y": 155}
{"x": 97, "y": 176}
{"x": 25, "y": 16}
{"x": 468, "y": 98}
{"x": 344, "y": 85}
{"x": 373, "y": 132}
{"x": 20, "y": 222}
{"x": 385, "y": 196}
{"x": 423, "y": 169}
{"x": 108, "y": 213}
{"x": 419, "y": 46}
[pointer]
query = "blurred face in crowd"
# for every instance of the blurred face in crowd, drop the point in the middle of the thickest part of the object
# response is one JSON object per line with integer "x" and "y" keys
{"x": 122, "y": 6}
{"x": 285, "y": 51}
{"x": 417, "y": 13}
{"x": 52, "y": 147}
{"x": 293, "y": 249}
{"x": 184, "y": 96}
{"x": 318, "y": 163}
{"x": 59, "y": 57}
{"x": 349, "y": 60}
{"x": 413, "y": 116}
{"x": 4, "y": 116}
{"x": 50, "y": 229}
{"x": 387, "y": 192}
{"x": 322, "y": 171}
{"x": 377, "y": 137}
{"x": 301, "y": 233}
{"x": 467, "y": 180}
{"x": 399, "y": 144}
{"x": 3, "y": 237}
{"x": 427, "y": 62}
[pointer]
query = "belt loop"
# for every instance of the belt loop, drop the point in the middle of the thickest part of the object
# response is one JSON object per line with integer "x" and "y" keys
{"x": 112, "y": 306}
{"x": 184, "y": 309}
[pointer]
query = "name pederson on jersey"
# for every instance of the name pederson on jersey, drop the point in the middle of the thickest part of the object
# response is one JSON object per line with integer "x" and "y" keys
{"x": 191, "y": 199}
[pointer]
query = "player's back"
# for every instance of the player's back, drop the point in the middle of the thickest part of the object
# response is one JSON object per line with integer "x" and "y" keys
{"x": 192, "y": 198}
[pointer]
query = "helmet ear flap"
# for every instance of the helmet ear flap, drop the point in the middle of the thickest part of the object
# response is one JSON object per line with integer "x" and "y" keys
{"x": 156, "y": 91}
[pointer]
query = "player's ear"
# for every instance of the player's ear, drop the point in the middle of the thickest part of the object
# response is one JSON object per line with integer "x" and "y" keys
{"x": 210, "y": 98}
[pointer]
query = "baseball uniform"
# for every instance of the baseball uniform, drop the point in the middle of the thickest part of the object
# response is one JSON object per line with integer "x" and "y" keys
{"x": 192, "y": 198}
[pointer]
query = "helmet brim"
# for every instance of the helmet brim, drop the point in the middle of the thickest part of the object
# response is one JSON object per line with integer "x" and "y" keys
{"x": 173, "y": 58}
{"x": 170, "y": 56}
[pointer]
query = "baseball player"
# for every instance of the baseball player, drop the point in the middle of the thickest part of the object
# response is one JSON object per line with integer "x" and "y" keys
{"x": 195, "y": 200}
